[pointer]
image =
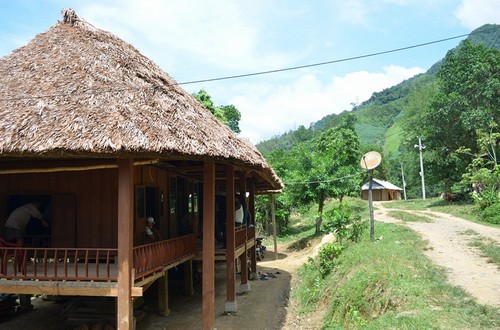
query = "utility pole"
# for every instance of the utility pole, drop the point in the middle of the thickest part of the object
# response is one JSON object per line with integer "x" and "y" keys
{"x": 404, "y": 182}
{"x": 420, "y": 147}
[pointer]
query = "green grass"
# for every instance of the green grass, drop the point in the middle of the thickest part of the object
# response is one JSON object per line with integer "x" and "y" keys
{"x": 408, "y": 217}
{"x": 464, "y": 210}
{"x": 390, "y": 284}
{"x": 488, "y": 247}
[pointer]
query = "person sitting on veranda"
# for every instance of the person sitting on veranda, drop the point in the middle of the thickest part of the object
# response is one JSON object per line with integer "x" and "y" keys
{"x": 239, "y": 213}
{"x": 151, "y": 234}
{"x": 15, "y": 227}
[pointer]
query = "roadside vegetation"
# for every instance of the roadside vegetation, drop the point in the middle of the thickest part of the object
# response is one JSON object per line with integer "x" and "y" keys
{"x": 463, "y": 209}
{"x": 408, "y": 217}
{"x": 384, "y": 284}
{"x": 488, "y": 248}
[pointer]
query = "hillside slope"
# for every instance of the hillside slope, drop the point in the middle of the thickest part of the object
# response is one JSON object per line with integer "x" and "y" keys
{"x": 379, "y": 117}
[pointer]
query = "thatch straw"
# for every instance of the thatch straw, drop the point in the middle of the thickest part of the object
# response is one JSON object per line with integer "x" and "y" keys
{"x": 77, "y": 91}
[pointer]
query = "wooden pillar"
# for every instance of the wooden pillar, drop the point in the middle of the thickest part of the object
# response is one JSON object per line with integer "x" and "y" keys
{"x": 188, "y": 278}
{"x": 244, "y": 286}
{"x": 125, "y": 314}
{"x": 273, "y": 218}
{"x": 163, "y": 309}
{"x": 230, "y": 306}
{"x": 251, "y": 209}
{"x": 251, "y": 201}
{"x": 208, "y": 278}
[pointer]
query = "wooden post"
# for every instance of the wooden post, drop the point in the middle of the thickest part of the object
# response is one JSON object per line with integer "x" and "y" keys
{"x": 370, "y": 205}
{"x": 125, "y": 314}
{"x": 163, "y": 309}
{"x": 251, "y": 209}
{"x": 244, "y": 286}
{"x": 273, "y": 218}
{"x": 208, "y": 278}
{"x": 230, "y": 306}
{"x": 188, "y": 278}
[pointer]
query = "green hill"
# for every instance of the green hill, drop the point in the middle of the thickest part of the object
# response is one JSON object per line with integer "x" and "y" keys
{"x": 379, "y": 118}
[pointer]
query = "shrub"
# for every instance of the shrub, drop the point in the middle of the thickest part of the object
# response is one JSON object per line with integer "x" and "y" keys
{"x": 491, "y": 214}
{"x": 336, "y": 221}
{"x": 327, "y": 257}
{"x": 486, "y": 198}
{"x": 340, "y": 221}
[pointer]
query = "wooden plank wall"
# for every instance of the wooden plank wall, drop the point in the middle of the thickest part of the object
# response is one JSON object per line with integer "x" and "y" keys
{"x": 96, "y": 198}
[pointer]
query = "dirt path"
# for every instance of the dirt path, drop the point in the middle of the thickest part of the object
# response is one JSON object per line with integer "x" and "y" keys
{"x": 449, "y": 239}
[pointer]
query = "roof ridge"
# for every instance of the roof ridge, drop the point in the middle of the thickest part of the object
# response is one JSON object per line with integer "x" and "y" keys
{"x": 71, "y": 17}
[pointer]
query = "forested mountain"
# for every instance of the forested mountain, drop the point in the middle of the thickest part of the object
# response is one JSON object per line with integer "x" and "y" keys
{"x": 378, "y": 118}
{"x": 386, "y": 120}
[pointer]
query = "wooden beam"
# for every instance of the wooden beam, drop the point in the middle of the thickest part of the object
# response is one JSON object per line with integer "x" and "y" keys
{"x": 125, "y": 243}
{"x": 230, "y": 241}
{"x": 69, "y": 288}
{"x": 208, "y": 279}
{"x": 72, "y": 168}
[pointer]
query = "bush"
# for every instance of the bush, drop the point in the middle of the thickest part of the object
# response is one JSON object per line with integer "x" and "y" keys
{"x": 327, "y": 257}
{"x": 486, "y": 198}
{"x": 340, "y": 221}
{"x": 491, "y": 214}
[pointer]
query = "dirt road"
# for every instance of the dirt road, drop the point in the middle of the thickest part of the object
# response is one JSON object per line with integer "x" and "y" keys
{"x": 449, "y": 239}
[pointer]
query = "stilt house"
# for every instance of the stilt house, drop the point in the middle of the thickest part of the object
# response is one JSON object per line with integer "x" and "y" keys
{"x": 105, "y": 138}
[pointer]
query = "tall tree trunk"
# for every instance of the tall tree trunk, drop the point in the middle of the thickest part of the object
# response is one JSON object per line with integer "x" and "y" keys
{"x": 319, "y": 220}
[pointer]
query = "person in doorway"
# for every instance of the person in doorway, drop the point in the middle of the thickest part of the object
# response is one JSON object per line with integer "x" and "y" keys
{"x": 239, "y": 213}
{"x": 151, "y": 234}
{"x": 15, "y": 227}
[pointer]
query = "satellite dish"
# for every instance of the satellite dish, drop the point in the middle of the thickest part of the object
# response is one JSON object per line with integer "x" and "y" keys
{"x": 370, "y": 160}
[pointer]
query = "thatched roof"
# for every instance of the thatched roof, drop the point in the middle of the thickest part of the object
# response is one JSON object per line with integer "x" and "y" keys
{"x": 78, "y": 91}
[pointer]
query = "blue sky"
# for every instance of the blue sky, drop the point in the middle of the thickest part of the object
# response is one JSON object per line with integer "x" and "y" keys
{"x": 193, "y": 40}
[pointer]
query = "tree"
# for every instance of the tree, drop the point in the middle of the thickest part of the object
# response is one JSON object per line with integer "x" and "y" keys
{"x": 327, "y": 167}
{"x": 468, "y": 100}
{"x": 227, "y": 114}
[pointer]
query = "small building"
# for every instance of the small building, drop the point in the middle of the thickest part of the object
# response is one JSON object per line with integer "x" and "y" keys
{"x": 381, "y": 191}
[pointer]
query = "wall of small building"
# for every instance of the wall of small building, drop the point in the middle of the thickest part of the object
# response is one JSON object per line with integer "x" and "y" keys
{"x": 382, "y": 195}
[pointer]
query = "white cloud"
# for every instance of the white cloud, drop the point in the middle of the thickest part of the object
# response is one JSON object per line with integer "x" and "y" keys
{"x": 226, "y": 34}
{"x": 474, "y": 13}
{"x": 269, "y": 110}
{"x": 353, "y": 12}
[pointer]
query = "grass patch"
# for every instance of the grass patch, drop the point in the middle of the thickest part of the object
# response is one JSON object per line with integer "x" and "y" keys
{"x": 408, "y": 217}
{"x": 464, "y": 210}
{"x": 469, "y": 232}
{"x": 489, "y": 249}
{"x": 390, "y": 284}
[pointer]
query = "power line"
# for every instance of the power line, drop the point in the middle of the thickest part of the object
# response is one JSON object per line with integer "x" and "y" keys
{"x": 323, "y": 63}
{"x": 114, "y": 90}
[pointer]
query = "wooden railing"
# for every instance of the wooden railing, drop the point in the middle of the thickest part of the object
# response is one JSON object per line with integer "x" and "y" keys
{"x": 58, "y": 264}
{"x": 90, "y": 264}
{"x": 240, "y": 236}
{"x": 250, "y": 233}
{"x": 155, "y": 256}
